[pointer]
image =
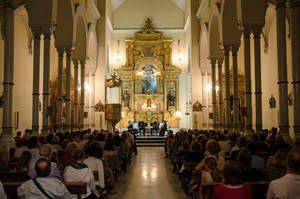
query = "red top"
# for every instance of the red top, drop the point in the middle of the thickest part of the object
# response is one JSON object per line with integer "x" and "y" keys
{"x": 223, "y": 192}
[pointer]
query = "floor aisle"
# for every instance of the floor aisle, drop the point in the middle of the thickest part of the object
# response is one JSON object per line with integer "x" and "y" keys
{"x": 149, "y": 177}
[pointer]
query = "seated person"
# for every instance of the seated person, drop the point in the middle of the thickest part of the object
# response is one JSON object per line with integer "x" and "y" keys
{"x": 233, "y": 187}
{"x": 4, "y": 158}
{"x": 155, "y": 127}
{"x": 52, "y": 187}
{"x": 45, "y": 152}
{"x": 79, "y": 172}
{"x": 142, "y": 126}
{"x": 288, "y": 185}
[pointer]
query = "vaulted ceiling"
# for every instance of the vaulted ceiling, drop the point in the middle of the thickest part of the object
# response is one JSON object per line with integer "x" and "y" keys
{"x": 115, "y": 4}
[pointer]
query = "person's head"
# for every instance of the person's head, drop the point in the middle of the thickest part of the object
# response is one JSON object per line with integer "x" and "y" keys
{"x": 293, "y": 161}
{"x": 25, "y": 158}
{"x": 244, "y": 158}
{"x": 55, "y": 140}
{"x": 242, "y": 142}
{"x": 78, "y": 156}
{"x": 210, "y": 163}
{"x": 213, "y": 147}
{"x": 46, "y": 150}
{"x": 43, "y": 167}
{"x": 233, "y": 173}
{"x": 23, "y": 142}
{"x": 19, "y": 133}
{"x": 95, "y": 150}
{"x": 4, "y": 153}
{"x": 109, "y": 146}
{"x": 279, "y": 159}
{"x": 196, "y": 146}
{"x": 32, "y": 142}
{"x": 72, "y": 146}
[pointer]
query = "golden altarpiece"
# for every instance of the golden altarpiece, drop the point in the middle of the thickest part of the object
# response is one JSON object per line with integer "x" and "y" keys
{"x": 150, "y": 82}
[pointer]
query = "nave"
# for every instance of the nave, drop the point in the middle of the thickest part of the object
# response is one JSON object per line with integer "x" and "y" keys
{"x": 149, "y": 176}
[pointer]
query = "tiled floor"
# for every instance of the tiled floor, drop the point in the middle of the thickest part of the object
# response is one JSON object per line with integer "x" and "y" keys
{"x": 149, "y": 177}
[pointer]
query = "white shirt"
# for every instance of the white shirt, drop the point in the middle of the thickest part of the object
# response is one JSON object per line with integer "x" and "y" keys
{"x": 80, "y": 175}
{"x": 2, "y": 193}
{"x": 287, "y": 187}
{"x": 35, "y": 153}
{"x": 96, "y": 165}
{"x": 52, "y": 186}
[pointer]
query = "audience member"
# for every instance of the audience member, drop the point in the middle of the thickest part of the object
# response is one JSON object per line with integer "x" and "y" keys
{"x": 2, "y": 193}
{"x": 21, "y": 147}
{"x": 4, "y": 158}
{"x": 43, "y": 186}
{"x": 276, "y": 165}
{"x": 24, "y": 161}
{"x": 33, "y": 146}
{"x": 287, "y": 187}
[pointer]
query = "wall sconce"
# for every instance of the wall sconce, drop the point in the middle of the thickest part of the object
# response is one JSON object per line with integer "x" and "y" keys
{"x": 179, "y": 57}
{"x": 178, "y": 115}
{"x": 118, "y": 58}
{"x": 87, "y": 88}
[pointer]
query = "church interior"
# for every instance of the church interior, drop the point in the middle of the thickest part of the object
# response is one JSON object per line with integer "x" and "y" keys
{"x": 149, "y": 98}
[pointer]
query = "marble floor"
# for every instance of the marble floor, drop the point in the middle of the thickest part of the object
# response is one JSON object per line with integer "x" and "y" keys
{"x": 149, "y": 177}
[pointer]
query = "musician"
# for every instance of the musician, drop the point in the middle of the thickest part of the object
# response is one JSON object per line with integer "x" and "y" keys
{"x": 130, "y": 126}
{"x": 163, "y": 129}
{"x": 142, "y": 126}
{"x": 155, "y": 127}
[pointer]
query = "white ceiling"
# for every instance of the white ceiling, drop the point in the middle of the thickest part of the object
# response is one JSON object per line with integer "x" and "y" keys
{"x": 115, "y": 4}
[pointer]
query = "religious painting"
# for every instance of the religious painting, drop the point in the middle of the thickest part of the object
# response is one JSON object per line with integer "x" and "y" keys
{"x": 148, "y": 80}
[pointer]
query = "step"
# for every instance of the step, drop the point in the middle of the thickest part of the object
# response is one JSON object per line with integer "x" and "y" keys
{"x": 150, "y": 145}
{"x": 150, "y": 141}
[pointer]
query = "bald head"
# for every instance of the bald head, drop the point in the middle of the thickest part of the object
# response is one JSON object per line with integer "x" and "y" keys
{"x": 293, "y": 161}
{"x": 43, "y": 167}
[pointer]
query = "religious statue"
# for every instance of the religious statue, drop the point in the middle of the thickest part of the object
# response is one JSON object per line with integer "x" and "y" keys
{"x": 197, "y": 106}
{"x": 126, "y": 99}
{"x": 148, "y": 80}
{"x": 272, "y": 101}
{"x": 290, "y": 98}
{"x": 171, "y": 99}
{"x": 148, "y": 28}
{"x": 148, "y": 102}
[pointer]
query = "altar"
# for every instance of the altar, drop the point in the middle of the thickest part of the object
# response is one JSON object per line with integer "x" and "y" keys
{"x": 149, "y": 88}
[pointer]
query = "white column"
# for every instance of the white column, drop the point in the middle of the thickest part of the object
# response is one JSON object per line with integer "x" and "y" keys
{"x": 220, "y": 72}
{"x": 46, "y": 82}
{"x": 36, "y": 81}
{"x": 248, "y": 91}
{"x": 68, "y": 90}
{"x": 59, "y": 118}
{"x": 282, "y": 68}
{"x": 227, "y": 89}
{"x": 7, "y": 136}
{"x": 75, "y": 106}
{"x": 92, "y": 107}
{"x": 87, "y": 102}
{"x": 82, "y": 77}
{"x": 236, "y": 101}
{"x": 295, "y": 30}
{"x": 214, "y": 97}
{"x": 257, "y": 69}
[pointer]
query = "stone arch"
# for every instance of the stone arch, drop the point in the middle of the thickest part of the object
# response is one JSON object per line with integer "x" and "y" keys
{"x": 149, "y": 61}
{"x": 81, "y": 41}
{"x": 91, "y": 65}
{"x": 230, "y": 32}
{"x": 65, "y": 31}
{"x": 215, "y": 32}
{"x": 204, "y": 46}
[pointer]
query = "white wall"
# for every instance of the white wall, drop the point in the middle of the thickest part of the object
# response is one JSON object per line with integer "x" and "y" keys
{"x": 133, "y": 13}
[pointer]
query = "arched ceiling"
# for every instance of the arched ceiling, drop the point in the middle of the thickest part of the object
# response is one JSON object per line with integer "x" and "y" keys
{"x": 215, "y": 31}
{"x": 115, "y": 4}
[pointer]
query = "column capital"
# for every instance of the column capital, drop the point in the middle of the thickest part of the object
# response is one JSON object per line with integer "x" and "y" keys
{"x": 234, "y": 49}
{"x": 36, "y": 32}
{"x": 213, "y": 61}
{"x": 75, "y": 62}
{"x": 226, "y": 50}
{"x": 294, "y": 3}
{"x": 60, "y": 52}
{"x": 82, "y": 63}
{"x": 47, "y": 34}
{"x": 257, "y": 31}
{"x": 69, "y": 52}
{"x": 246, "y": 32}
{"x": 220, "y": 62}
{"x": 280, "y": 3}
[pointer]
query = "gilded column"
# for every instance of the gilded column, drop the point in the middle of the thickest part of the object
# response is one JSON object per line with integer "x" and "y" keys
{"x": 248, "y": 90}
{"x": 282, "y": 68}
{"x": 82, "y": 83}
{"x": 36, "y": 81}
{"x": 236, "y": 101}
{"x": 214, "y": 97}
{"x": 295, "y": 30}
{"x": 46, "y": 82}
{"x": 257, "y": 69}
{"x": 227, "y": 89}
{"x": 68, "y": 90}
{"x": 59, "y": 118}
{"x": 7, "y": 134}
{"x": 75, "y": 106}
{"x": 220, "y": 72}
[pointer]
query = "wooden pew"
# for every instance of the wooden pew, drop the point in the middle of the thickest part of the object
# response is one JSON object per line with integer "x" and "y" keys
{"x": 259, "y": 188}
{"x": 75, "y": 188}
{"x": 13, "y": 176}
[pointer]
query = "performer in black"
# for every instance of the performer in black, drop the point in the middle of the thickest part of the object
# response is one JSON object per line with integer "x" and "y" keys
{"x": 155, "y": 127}
{"x": 141, "y": 126}
{"x": 163, "y": 129}
{"x": 130, "y": 126}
